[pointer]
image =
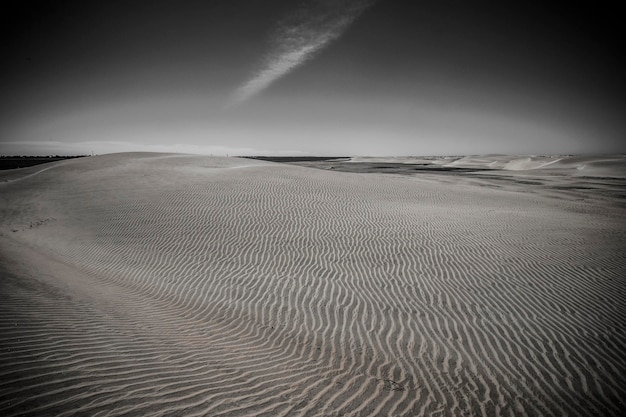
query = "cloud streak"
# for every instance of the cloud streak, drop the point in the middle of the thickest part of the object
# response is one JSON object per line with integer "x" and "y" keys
{"x": 298, "y": 38}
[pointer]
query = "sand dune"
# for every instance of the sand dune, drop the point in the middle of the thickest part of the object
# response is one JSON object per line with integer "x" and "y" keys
{"x": 590, "y": 165}
{"x": 149, "y": 284}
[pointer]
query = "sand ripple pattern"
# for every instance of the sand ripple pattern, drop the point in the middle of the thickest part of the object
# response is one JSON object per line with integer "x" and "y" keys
{"x": 179, "y": 285}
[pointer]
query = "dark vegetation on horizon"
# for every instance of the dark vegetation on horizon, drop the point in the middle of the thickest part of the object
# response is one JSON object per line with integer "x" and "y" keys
{"x": 388, "y": 167}
{"x": 341, "y": 163}
{"x": 296, "y": 158}
{"x": 12, "y": 162}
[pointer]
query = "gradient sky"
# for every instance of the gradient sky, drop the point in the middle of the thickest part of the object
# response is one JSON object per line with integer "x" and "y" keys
{"x": 316, "y": 77}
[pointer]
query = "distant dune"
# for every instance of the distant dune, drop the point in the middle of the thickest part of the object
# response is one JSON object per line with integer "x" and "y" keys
{"x": 157, "y": 284}
{"x": 599, "y": 165}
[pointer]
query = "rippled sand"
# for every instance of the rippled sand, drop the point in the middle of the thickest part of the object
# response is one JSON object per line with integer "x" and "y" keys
{"x": 147, "y": 284}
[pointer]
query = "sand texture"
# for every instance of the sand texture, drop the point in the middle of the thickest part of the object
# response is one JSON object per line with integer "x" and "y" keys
{"x": 152, "y": 284}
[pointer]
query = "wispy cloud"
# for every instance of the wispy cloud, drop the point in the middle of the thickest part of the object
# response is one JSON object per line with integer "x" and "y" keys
{"x": 297, "y": 38}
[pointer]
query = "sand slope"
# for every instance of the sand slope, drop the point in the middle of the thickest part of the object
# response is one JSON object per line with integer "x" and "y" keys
{"x": 147, "y": 284}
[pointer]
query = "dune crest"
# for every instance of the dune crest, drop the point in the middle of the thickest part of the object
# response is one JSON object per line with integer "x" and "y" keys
{"x": 149, "y": 284}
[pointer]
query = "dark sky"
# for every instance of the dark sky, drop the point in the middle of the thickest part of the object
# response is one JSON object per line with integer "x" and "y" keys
{"x": 350, "y": 77}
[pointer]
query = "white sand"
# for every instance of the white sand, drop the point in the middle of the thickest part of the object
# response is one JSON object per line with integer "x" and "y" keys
{"x": 146, "y": 284}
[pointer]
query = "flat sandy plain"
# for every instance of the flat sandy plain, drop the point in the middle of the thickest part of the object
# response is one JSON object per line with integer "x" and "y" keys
{"x": 153, "y": 284}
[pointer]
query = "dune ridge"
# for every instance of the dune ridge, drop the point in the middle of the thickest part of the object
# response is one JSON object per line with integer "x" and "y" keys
{"x": 139, "y": 284}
